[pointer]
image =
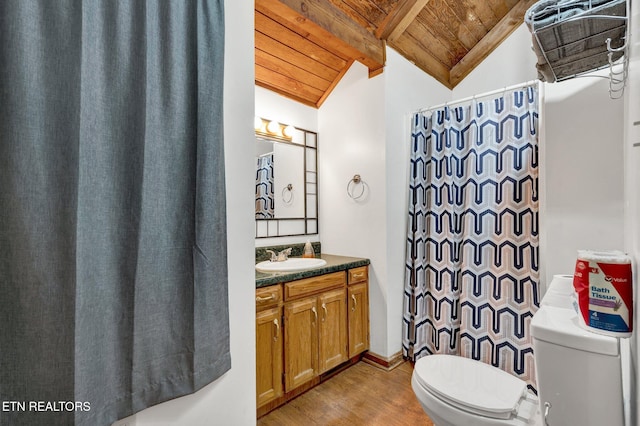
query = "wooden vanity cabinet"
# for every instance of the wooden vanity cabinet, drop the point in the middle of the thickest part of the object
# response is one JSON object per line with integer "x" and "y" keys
{"x": 358, "y": 310}
{"x": 305, "y": 328}
{"x": 315, "y": 318}
{"x": 269, "y": 340}
{"x": 301, "y": 341}
{"x": 332, "y": 329}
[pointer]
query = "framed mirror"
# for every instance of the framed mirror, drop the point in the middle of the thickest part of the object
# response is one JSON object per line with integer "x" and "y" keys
{"x": 286, "y": 180}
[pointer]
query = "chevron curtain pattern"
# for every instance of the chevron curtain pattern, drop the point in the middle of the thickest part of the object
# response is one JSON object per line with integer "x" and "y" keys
{"x": 471, "y": 281}
{"x": 264, "y": 187}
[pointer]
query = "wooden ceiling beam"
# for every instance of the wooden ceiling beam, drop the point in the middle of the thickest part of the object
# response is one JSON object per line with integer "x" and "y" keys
{"x": 323, "y": 19}
{"x": 399, "y": 19}
{"x": 490, "y": 42}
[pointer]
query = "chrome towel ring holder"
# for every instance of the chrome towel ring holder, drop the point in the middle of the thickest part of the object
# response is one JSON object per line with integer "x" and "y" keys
{"x": 356, "y": 187}
{"x": 287, "y": 190}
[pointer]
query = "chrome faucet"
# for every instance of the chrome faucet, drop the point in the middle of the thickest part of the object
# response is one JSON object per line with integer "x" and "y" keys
{"x": 280, "y": 256}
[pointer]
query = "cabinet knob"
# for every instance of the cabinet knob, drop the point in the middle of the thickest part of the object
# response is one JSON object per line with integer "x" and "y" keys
{"x": 277, "y": 325}
{"x": 265, "y": 299}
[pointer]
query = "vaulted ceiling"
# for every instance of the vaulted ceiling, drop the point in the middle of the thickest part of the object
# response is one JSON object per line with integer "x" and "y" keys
{"x": 304, "y": 47}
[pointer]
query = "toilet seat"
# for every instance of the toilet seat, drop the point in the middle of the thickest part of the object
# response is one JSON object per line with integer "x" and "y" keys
{"x": 471, "y": 385}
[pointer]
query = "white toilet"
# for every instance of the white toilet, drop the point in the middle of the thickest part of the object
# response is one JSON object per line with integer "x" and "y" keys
{"x": 578, "y": 375}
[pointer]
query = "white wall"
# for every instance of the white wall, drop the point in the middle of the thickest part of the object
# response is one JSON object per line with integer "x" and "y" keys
{"x": 352, "y": 141}
{"x": 584, "y": 163}
{"x": 230, "y": 400}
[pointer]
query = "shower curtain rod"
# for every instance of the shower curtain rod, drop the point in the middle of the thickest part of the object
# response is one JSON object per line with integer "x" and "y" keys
{"x": 483, "y": 95}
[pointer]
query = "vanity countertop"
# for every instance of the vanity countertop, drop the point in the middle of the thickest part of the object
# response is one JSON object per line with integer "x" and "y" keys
{"x": 334, "y": 264}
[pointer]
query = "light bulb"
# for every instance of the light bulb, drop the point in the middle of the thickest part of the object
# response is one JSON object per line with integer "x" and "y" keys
{"x": 273, "y": 127}
{"x": 257, "y": 123}
{"x": 288, "y": 131}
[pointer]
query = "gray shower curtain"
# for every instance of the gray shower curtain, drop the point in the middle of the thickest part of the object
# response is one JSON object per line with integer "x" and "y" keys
{"x": 113, "y": 272}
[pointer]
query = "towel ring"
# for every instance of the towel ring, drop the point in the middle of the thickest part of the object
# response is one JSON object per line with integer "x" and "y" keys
{"x": 284, "y": 194}
{"x": 352, "y": 186}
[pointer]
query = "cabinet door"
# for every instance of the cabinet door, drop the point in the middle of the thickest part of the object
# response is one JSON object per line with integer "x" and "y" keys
{"x": 300, "y": 341}
{"x": 268, "y": 355}
{"x": 358, "y": 319}
{"x": 333, "y": 329}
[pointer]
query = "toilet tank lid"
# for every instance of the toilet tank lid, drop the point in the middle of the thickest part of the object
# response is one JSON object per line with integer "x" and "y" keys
{"x": 471, "y": 385}
{"x": 560, "y": 327}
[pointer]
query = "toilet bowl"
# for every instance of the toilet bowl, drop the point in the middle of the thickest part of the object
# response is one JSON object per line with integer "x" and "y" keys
{"x": 456, "y": 391}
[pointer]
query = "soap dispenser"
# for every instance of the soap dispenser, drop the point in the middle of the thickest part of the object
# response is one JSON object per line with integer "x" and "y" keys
{"x": 308, "y": 250}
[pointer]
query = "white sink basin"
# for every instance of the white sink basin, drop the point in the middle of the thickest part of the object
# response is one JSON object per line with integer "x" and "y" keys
{"x": 291, "y": 264}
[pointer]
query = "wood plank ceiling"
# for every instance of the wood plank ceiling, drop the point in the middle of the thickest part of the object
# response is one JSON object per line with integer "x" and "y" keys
{"x": 304, "y": 47}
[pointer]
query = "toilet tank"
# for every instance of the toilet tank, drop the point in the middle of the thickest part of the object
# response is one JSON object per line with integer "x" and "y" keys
{"x": 578, "y": 373}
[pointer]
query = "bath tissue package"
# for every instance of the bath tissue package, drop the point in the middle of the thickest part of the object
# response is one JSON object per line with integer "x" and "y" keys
{"x": 604, "y": 292}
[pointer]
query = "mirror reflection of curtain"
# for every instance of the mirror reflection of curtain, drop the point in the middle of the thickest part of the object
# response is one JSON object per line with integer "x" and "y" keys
{"x": 264, "y": 187}
{"x": 113, "y": 248}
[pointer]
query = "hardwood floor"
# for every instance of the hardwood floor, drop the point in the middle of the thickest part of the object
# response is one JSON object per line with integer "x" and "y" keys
{"x": 360, "y": 395}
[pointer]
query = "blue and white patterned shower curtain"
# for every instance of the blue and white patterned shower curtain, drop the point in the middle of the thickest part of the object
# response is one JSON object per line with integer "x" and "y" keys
{"x": 471, "y": 280}
{"x": 264, "y": 187}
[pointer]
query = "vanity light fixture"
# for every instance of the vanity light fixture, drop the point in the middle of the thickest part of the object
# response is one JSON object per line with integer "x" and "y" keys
{"x": 273, "y": 129}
